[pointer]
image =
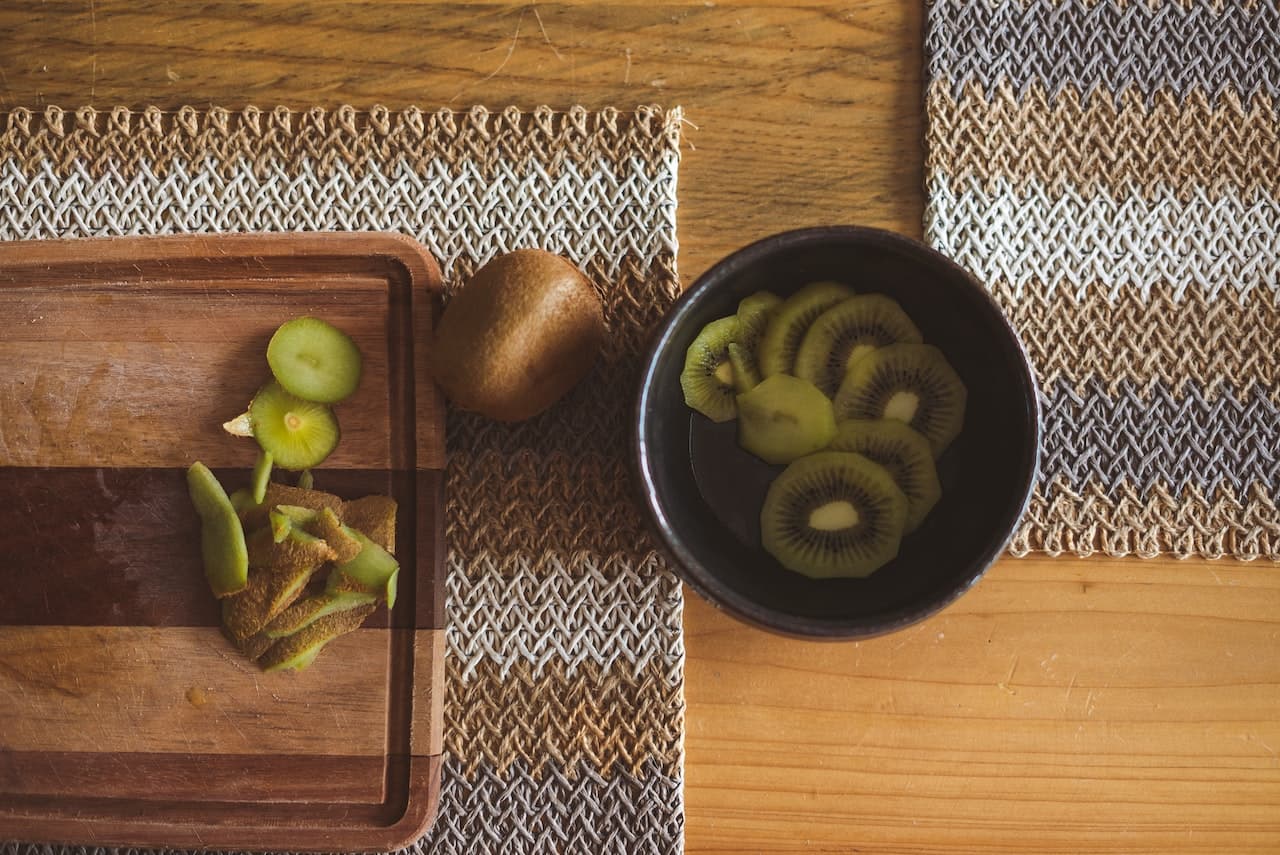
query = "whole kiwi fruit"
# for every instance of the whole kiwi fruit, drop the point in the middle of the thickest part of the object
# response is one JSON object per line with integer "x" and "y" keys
{"x": 519, "y": 335}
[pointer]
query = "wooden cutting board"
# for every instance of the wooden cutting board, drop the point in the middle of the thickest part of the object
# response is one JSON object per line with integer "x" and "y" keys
{"x": 125, "y": 716}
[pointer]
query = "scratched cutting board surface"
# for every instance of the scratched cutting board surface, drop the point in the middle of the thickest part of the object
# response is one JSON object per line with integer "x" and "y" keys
{"x": 125, "y": 716}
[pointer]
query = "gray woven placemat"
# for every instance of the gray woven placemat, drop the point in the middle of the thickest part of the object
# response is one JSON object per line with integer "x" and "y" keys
{"x": 564, "y": 702}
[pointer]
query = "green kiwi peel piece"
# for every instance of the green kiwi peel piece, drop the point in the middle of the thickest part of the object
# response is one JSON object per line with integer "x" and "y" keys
{"x": 707, "y": 378}
{"x": 833, "y": 514}
{"x": 261, "y": 476}
{"x": 299, "y": 650}
{"x": 281, "y": 525}
{"x": 306, "y": 481}
{"x": 267, "y": 595}
{"x": 223, "y": 549}
{"x": 905, "y": 454}
{"x": 789, "y": 322}
{"x": 372, "y": 571}
{"x": 298, "y": 549}
{"x": 847, "y": 331}
{"x": 783, "y": 418}
{"x": 299, "y": 434}
{"x": 308, "y": 610}
{"x": 341, "y": 539}
{"x": 314, "y": 360}
{"x": 374, "y": 517}
{"x": 912, "y": 383}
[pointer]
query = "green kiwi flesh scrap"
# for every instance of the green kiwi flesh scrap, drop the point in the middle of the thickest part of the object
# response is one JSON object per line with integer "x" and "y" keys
{"x": 848, "y": 331}
{"x": 297, "y": 433}
{"x": 753, "y": 317}
{"x": 707, "y": 378}
{"x": 789, "y": 322}
{"x": 314, "y": 360}
{"x": 223, "y": 549}
{"x": 833, "y": 514}
{"x": 912, "y": 383}
{"x": 905, "y": 454}
{"x": 784, "y": 418}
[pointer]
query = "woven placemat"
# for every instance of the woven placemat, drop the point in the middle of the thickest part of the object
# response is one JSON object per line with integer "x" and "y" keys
{"x": 564, "y": 701}
{"x": 1111, "y": 170}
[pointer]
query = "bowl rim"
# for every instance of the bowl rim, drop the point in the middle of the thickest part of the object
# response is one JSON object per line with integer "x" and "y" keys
{"x": 690, "y": 570}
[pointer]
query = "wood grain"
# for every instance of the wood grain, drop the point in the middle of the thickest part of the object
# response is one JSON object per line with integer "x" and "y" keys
{"x": 127, "y": 716}
{"x": 1154, "y": 728}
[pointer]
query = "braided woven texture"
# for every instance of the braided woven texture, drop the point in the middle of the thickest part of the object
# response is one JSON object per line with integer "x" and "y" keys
{"x": 1110, "y": 169}
{"x": 564, "y": 677}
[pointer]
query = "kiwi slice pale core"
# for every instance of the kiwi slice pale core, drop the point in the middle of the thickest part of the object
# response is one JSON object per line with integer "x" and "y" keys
{"x": 314, "y": 360}
{"x": 790, "y": 321}
{"x": 847, "y": 331}
{"x": 912, "y": 383}
{"x": 298, "y": 434}
{"x": 784, "y": 418}
{"x": 833, "y": 514}
{"x": 707, "y": 378}
{"x": 904, "y": 453}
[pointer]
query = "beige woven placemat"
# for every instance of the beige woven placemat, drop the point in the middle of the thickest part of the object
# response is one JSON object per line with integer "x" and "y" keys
{"x": 1111, "y": 170}
{"x": 564, "y": 702}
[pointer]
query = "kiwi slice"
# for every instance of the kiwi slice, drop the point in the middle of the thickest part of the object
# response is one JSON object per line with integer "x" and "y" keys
{"x": 707, "y": 379}
{"x": 222, "y": 544}
{"x": 833, "y": 514}
{"x": 912, "y": 383}
{"x": 298, "y": 434}
{"x": 753, "y": 317}
{"x": 784, "y": 418}
{"x": 790, "y": 321}
{"x": 314, "y": 360}
{"x": 847, "y": 331}
{"x": 903, "y": 452}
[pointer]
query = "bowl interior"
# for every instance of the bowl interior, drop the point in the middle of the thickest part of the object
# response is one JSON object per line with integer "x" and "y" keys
{"x": 705, "y": 493}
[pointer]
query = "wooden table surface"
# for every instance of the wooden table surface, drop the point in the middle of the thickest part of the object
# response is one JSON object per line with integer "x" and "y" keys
{"x": 1061, "y": 706}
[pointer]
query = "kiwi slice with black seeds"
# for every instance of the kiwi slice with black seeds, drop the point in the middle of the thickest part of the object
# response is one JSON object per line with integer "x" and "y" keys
{"x": 833, "y": 514}
{"x": 848, "y": 331}
{"x": 912, "y": 383}
{"x": 298, "y": 434}
{"x": 707, "y": 379}
{"x": 904, "y": 453}
{"x": 314, "y": 360}
{"x": 791, "y": 320}
{"x": 753, "y": 318}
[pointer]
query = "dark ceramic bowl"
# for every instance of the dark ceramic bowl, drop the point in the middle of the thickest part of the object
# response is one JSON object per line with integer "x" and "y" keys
{"x": 703, "y": 494}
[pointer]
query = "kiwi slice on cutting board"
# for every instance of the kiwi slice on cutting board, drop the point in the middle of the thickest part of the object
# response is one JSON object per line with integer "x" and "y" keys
{"x": 314, "y": 360}
{"x": 707, "y": 379}
{"x": 905, "y": 454}
{"x": 790, "y": 321}
{"x": 833, "y": 514}
{"x": 298, "y": 434}
{"x": 912, "y": 383}
{"x": 753, "y": 318}
{"x": 848, "y": 331}
{"x": 784, "y": 418}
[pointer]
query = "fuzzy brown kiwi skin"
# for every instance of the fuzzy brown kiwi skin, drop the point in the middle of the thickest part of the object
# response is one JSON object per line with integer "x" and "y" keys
{"x": 523, "y": 331}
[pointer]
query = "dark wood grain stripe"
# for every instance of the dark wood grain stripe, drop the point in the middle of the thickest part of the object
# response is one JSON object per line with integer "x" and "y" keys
{"x": 198, "y": 777}
{"x": 121, "y": 547}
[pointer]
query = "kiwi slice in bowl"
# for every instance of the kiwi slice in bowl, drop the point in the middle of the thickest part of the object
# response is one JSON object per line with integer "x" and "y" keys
{"x": 833, "y": 514}
{"x": 912, "y": 383}
{"x": 784, "y": 418}
{"x": 314, "y": 360}
{"x": 753, "y": 318}
{"x": 905, "y": 454}
{"x": 298, "y": 434}
{"x": 791, "y": 320}
{"x": 707, "y": 378}
{"x": 848, "y": 331}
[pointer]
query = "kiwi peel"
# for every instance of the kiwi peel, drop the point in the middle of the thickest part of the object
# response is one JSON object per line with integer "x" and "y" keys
{"x": 297, "y": 651}
{"x": 223, "y": 549}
